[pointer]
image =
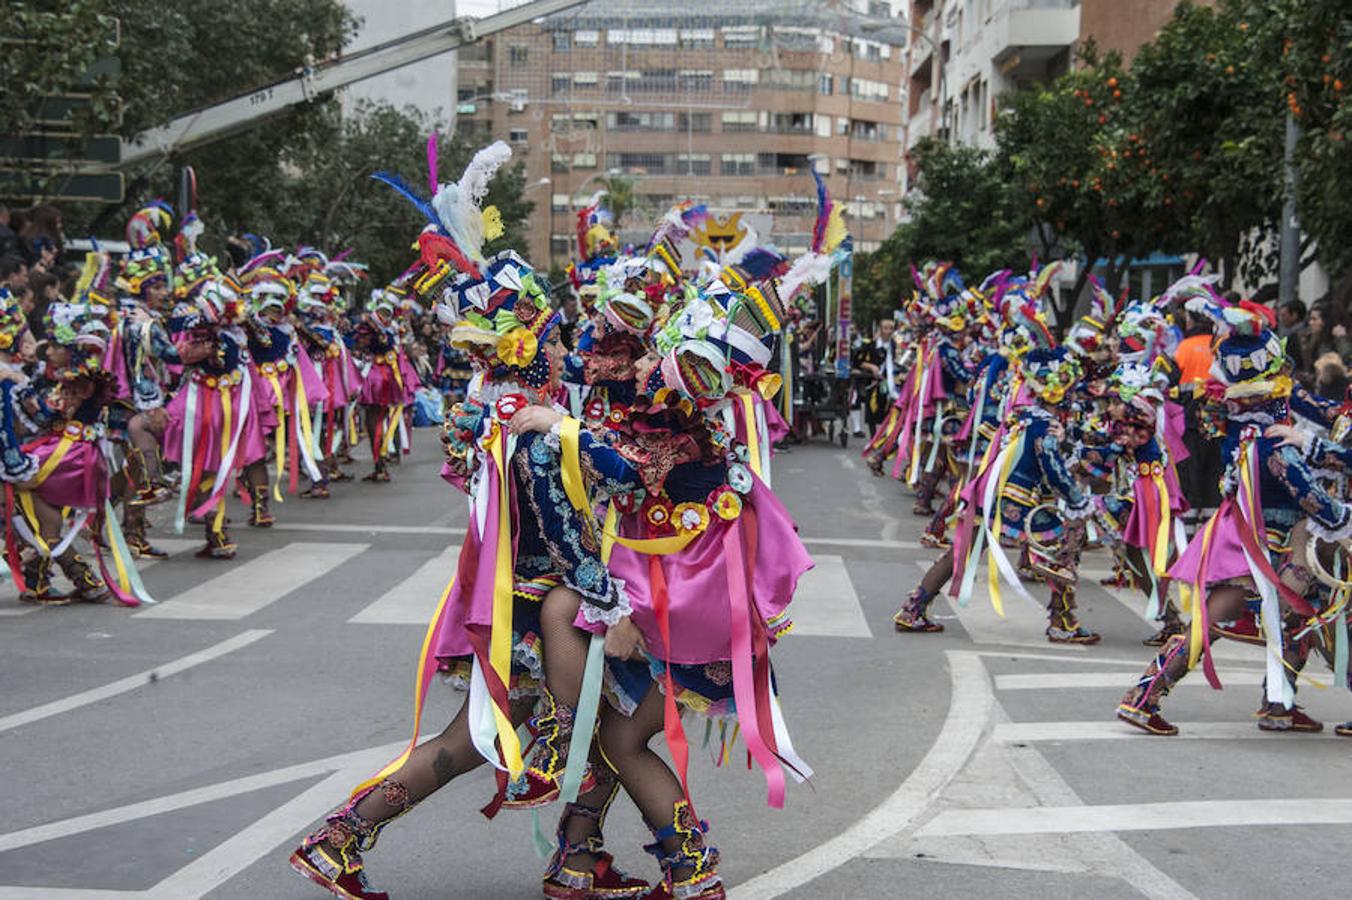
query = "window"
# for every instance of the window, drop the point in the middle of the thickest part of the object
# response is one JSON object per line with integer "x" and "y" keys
{"x": 643, "y": 37}
{"x": 518, "y": 54}
{"x": 640, "y": 121}
{"x": 562, "y": 162}
{"x": 782, "y": 163}
{"x": 688, "y": 122}
{"x": 585, "y": 79}
{"x": 741, "y": 120}
{"x": 793, "y": 79}
{"x": 740, "y": 78}
{"x": 791, "y": 123}
{"x": 864, "y": 89}
{"x": 741, "y": 36}
{"x": 694, "y": 164}
{"x": 649, "y": 163}
{"x": 559, "y": 84}
{"x": 738, "y": 164}
{"x": 586, "y": 38}
{"x": 562, "y": 40}
{"x": 842, "y": 126}
{"x": 823, "y": 126}
{"x": 518, "y": 135}
{"x": 558, "y": 202}
{"x": 695, "y": 79}
{"x": 620, "y": 81}
{"x": 697, "y": 38}
{"x": 824, "y": 85}
{"x": 560, "y": 245}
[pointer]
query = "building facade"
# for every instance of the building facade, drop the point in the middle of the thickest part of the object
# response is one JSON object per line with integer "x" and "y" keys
{"x": 726, "y": 108}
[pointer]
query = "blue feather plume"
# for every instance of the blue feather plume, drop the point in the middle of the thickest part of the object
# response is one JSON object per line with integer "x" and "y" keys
{"x": 423, "y": 204}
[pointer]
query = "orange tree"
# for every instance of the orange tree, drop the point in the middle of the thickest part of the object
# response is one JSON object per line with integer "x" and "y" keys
{"x": 1307, "y": 45}
{"x": 1207, "y": 136}
{"x": 1072, "y": 147}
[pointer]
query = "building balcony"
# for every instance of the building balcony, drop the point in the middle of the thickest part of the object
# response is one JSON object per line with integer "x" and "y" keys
{"x": 919, "y": 127}
{"x": 1032, "y": 32}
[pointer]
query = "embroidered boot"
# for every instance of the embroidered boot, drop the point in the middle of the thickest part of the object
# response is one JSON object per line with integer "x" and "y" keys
{"x": 260, "y": 516}
{"x": 149, "y": 489}
{"x": 37, "y": 576}
{"x": 1172, "y": 625}
{"x": 318, "y": 490}
{"x": 134, "y": 530}
{"x": 1276, "y": 717}
{"x": 598, "y": 881}
{"x": 89, "y": 588}
{"x": 924, "y": 494}
{"x": 1063, "y": 626}
{"x": 331, "y": 856}
{"x": 379, "y": 473}
{"x": 219, "y": 545}
{"x": 690, "y": 872}
{"x": 541, "y": 781}
{"x": 1140, "y": 707}
{"x": 914, "y": 613}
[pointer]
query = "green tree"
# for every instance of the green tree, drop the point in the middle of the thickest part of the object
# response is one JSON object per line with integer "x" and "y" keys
{"x": 1306, "y": 46}
{"x": 1206, "y": 116}
{"x": 961, "y": 209}
{"x": 620, "y": 197}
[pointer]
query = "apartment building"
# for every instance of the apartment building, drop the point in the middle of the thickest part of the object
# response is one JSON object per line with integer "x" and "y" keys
{"x": 964, "y": 53}
{"x": 727, "y": 105}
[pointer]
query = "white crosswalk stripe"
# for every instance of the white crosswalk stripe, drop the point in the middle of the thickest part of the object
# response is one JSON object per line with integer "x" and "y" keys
{"x": 826, "y": 604}
{"x": 248, "y": 587}
{"x": 172, "y": 546}
{"x": 413, "y": 600}
{"x": 1108, "y": 730}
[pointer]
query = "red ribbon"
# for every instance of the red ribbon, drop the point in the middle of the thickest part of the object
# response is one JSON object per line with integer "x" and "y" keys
{"x": 671, "y": 717}
{"x": 11, "y": 544}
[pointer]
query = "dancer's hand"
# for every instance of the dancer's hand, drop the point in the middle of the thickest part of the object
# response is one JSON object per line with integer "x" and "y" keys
{"x": 534, "y": 418}
{"x": 625, "y": 641}
{"x": 1290, "y": 435}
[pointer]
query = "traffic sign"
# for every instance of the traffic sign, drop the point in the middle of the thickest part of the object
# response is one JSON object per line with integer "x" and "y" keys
{"x": 104, "y": 148}
{"x": 109, "y": 187}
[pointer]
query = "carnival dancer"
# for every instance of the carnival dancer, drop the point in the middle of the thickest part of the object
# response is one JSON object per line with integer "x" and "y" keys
{"x": 1023, "y": 494}
{"x": 216, "y": 426}
{"x": 288, "y": 385}
{"x": 486, "y": 631}
{"x": 698, "y": 530}
{"x": 1232, "y": 564}
{"x": 383, "y": 393}
{"x": 140, "y": 348}
{"x": 317, "y": 310}
{"x": 30, "y": 415}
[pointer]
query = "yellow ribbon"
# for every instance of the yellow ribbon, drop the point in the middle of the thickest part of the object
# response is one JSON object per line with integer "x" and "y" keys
{"x": 279, "y": 436}
{"x": 654, "y": 546}
{"x": 569, "y": 434}
{"x": 1165, "y": 528}
{"x": 992, "y": 569}
{"x": 387, "y": 443}
{"x": 227, "y": 430}
{"x": 752, "y": 437}
{"x": 500, "y": 638}
{"x": 303, "y": 413}
{"x": 44, "y": 471}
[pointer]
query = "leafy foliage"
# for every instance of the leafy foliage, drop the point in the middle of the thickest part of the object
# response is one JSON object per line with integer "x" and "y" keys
{"x": 961, "y": 209}
{"x": 300, "y": 177}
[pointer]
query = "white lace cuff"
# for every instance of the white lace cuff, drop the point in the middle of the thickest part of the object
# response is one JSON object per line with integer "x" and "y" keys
{"x": 608, "y": 616}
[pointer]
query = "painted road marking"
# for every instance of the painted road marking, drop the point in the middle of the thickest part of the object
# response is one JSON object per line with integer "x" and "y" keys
{"x": 172, "y": 546}
{"x": 246, "y": 589}
{"x": 414, "y": 600}
{"x": 1108, "y": 730}
{"x": 1041, "y": 681}
{"x": 232, "y": 856}
{"x": 347, "y": 528}
{"x": 1023, "y": 625}
{"x": 969, "y": 707}
{"x": 826, "y": 604}
{"x": 131, "y": 682}
{"x": 1140, "y": 817}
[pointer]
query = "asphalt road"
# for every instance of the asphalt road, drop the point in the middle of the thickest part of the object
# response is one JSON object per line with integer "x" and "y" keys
{"x": 180, "y": 751}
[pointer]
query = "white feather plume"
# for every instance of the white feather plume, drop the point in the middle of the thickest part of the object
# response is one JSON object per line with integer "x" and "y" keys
{"x": 809, "y": 269}
{"x": 458, "y": 204}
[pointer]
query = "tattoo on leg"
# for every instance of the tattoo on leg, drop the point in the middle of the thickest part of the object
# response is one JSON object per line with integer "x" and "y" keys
{"x": 443, "y": 767}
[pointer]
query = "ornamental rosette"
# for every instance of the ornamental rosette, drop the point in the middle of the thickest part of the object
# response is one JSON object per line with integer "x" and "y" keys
{"x": 725, "y": 503}
{"x": 518, "y": 347}
{"x": 691, "y": 518}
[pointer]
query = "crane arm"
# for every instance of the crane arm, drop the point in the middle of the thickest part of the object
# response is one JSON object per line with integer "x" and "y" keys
{"x": 213, "y": 122}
